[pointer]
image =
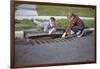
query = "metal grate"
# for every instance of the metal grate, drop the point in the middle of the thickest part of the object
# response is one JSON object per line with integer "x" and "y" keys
{"x": 44, "y": 41}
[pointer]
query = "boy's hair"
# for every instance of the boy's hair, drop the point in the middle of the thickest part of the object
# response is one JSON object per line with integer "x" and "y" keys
{"x": 52, "y": 18}
{"x": 71, "y": 16}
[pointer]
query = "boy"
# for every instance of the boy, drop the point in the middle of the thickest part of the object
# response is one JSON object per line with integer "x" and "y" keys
{"x": 51, "y": 27}
{"x": 75, "y": 25}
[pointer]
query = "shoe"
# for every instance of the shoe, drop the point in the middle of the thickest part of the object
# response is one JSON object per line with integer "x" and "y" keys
{"x": 80, "y": 34}
{"x": 63, "y": 36}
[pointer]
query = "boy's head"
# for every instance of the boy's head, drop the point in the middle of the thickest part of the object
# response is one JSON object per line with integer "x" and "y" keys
{"x": 71, "y": 16}
{"x": 52, "y": 20}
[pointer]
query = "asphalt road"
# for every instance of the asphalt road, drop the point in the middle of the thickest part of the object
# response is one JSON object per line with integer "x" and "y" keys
{"x": 55, "y": 51}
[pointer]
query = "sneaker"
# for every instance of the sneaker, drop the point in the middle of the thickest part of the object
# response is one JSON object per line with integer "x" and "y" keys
{"x": 80, "y": 34}
{"x": 72, "y": 32}
{"x": 63, "y": 36}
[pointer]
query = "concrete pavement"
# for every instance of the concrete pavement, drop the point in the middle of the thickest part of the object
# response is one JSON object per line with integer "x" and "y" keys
{"x": 55, "y": 51}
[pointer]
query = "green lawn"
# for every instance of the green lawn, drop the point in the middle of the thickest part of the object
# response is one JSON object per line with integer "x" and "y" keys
{"x": 61, "y": 23}
{"x": 28, "y": 24}
{"x": 63, "y": 11}
{"x": 46, "y": 10}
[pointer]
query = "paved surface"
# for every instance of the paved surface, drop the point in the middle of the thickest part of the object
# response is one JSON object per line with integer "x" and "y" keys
{"x": 25, "y": 11}
{"x": 55, "y": 50}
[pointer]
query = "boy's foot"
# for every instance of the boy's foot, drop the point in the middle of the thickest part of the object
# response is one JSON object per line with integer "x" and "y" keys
{"x": 80, "y": 34}
{"x": 63, "y": 36}
{"x": 72, "y": 32}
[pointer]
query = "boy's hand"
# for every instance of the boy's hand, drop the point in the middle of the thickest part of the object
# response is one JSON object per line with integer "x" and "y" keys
{"x": 50, "y": 32}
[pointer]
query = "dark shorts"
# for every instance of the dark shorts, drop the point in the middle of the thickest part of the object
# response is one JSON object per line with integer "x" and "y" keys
{"x": 76, "y": 29}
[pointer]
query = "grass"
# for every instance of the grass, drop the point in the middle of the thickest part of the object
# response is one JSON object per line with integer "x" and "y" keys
{"x": 47, "y": 10}
{"x": 89, "y": 23}
{"x": 61, "y": 23}
{"x": 28, "y": 24}
{"x": 63, "y": 11}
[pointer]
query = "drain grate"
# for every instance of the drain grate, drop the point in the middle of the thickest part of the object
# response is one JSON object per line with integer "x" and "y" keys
{"x": 45, "y": 41}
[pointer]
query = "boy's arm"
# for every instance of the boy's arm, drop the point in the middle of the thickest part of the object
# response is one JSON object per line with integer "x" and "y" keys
{"x": 71, "y": 23}
{"x": 50, "y": 32}
{"x": 68, "y": 29}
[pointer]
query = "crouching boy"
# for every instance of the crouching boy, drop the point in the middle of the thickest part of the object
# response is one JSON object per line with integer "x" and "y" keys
{"x": 75, "y": 25}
